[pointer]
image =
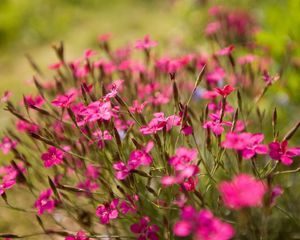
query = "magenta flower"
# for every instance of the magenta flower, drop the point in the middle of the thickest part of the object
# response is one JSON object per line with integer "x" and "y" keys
{"x": 226, "y": 51}
{"x": 106, "y": 212}
{"x": 6, "y": 184}
{"x": 279, "y": 151}
{"x": 23, "y": 126}
{"x": 45, "y": 202}
{"x": 215, "y": 76}
{"x": 81, "y": 235}
{"x": 159, "y": 122}
{"x": 55, "y": 66}
{"x": 53, "y": 156}
{"x": 141, "y": 156}
{"x": 129, "y": 205}
{"x": 88, "y": 185}
{"x": 6, "y": 96}
{"x": 7, "y": 145}
{"x": 37, "y": 101}
{"x": 100, "y": 137}
{"x": 95, "y": 111}
{"x": 63, "y": 101}
{"x": 145, "y": 43}
{"x": 225, "y": 91}
{"x": 182, "y": 158}
{"x": 122, "y": 171}
{"x": 254, "y": 146}
{"x": 92, "y": 171}
{"x": 144, "y": 230}
{"x": 137, "y": 158}
{"x": 215, "y": 124}
{"x": 242, "y": 191}
{"x": 203, "y": 225}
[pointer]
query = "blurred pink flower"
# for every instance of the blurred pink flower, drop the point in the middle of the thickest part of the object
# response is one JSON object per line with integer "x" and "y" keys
{"x": 281, "y": 152}
{"x": 45, "y": 202}
{"x": 53, "y": 156}
{"x": 144, "y": 230}
{"x": 145, "y": 43}
{"x": 243, "y": 191}
{"x": 107, "y": 212}
{"x": 7, "y": 144}
{"x": 203, "y": 225}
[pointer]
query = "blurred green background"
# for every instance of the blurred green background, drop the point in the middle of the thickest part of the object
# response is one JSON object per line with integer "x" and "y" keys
{"x": 32, "y": 26}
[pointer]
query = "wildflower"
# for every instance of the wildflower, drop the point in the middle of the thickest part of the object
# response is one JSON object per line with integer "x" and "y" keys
{"x": 92, "y": 171}
{"x": 144, "y": 230}
{"x": 95, "y": 111}
{"x": 242, "y": 191}
{"x": 53, "y": 156}
{"x": 141, "y": 156}
{"x": 225, "y": 91}
{"x": 146, "y": 43}
{"x": 45, "y": 202}
{"x": 225, "y": 51}
{"x": 6, "y": 184}
{"x": 23, "y": 126}
{"x": 6, "y": 96}
{"x": 55, "y": 66}
{"x": 275, "y": 193}
{"x": 269, "y": 80}
{"x": 122, "y": 171}
{"x": 81, "y": 235}
{"x": 183, "y": 157}
{"x": 37, "y": 101}
{"x": 159, "y": 122}
{"x": 215, "y": 124}
{"x": 106, "y": 212}
{"x": 129, "y": 205}
{"x": 88, "y": 185}
{"x": 279, "y": 151}
{"x": 7, "y": 145}
{"x": 203, "y": 225}
{"x": 254, "y": 146}
{"x": 63, "y": 101}
{"x": 215, "y": 76}
{"x": 101, "y": 137}
{"x": 246, "y": 59}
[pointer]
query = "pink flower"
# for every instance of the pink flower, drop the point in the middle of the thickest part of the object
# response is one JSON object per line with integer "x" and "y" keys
{"x": 23, "y": 126}
{"x": 37, "y": 101}
{"x": 246, "y": 59}
{"x": 141, "y": 156}
{"x": 225, "y": 91}
{"x": 81, "y": 235}
{"x": 243, "y": 191}
{"x": 55, "y": 66}
{"x": 159, "y": 122}
{"x": 100, "y": 137}
{"x": 215, "y": 124}
{"x": 88, "y": 185}
{"x": 137, "y": 158}
{"x": 254, "y": 146}
{"x": 95, "y": 111}
{"x": 106, "y": 212}
{"x": 146, "y": 43}
{"x": 276, "y": 192}
{"x": 122, "y": 171}
{"x": 136, "y": 107}
{"x": 54, "y": 156}
{"x": 7, "y": 145}
{"x": 183, "y": 157}
{"x": 88, "y": 53}
{"x": 45, "y": 202}
{"x": 6, "y": 184}
{"x": 6, "y": 96}
{"x": 63, "y": 101}
{"x": 225, "y": 51}
{"x": 215, "y": 76}
{"x": 279, "y": 151}
{"x": 104, "y": 37}
{"x": 144, "y": 230}
{"x": 203, "y": 225}
{"x": 92, "y": 171}
{"x": 212, "y": 28}
{"x": 129, "y": 205}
